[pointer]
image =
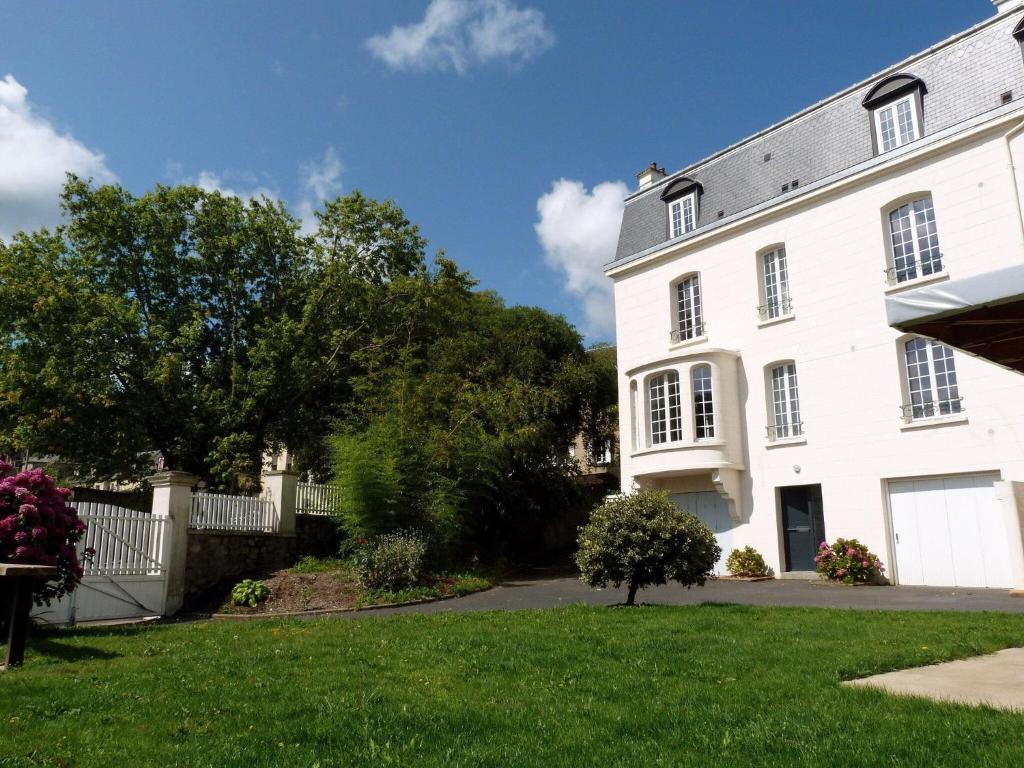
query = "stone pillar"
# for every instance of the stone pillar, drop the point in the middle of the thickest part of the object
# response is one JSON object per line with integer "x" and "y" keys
{"x": 282, "y": 486}
{"x": 1010, "y": 495}
{"x": 172, "y": 501}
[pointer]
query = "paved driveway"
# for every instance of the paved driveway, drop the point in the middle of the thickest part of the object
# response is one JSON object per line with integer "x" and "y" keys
{"x": 541, "y": 590}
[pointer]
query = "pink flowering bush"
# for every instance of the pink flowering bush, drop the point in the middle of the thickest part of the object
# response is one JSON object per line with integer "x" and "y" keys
{"x": 848, "y": 561}
{"x": 39, "y": 527}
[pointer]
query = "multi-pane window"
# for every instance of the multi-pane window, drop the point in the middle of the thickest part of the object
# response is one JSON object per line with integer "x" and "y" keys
{"x": 676, "y": 211}
{"x": 775, "y": 285}
{"x": 915, "y": 241}
{"x": 703, "y": 403}
{"x": 689, "y": 314}
{"x": 896, "y": 124}
{"x": 665, "y": 408}
{"x": 785, "y": 403}
{"x": 683, "y": 215}
{"x": 931, "y": 380}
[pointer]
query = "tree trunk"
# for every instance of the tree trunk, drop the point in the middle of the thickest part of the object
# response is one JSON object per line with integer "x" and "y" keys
{"x": 631, "y": 597}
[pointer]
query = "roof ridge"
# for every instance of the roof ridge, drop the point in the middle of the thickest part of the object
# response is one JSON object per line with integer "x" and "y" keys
{"x": 807, "y": 111}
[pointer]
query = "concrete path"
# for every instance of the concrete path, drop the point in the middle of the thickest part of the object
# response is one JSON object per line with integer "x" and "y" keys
{"x": 996, "y": 680}
{"x": 542, "y": 589}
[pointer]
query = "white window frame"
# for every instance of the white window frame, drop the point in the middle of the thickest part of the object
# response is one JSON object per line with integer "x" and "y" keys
{"x": 688, "y": 309}
{"x": 773, "y": 272}
{"x": 914, "y": 248}
{"x": 686, "y": 207}
{"x": 931, "y": 386}
{"x": 898, "y": 139}
{"x": 664, "y": 401}
{"x": 703, "y": 401}
{"x": 784, "y": 399}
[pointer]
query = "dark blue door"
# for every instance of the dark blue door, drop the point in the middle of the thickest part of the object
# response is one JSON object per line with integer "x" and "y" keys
{"x": 803, "y": 525}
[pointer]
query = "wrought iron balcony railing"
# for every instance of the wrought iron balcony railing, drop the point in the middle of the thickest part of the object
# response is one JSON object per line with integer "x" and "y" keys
{"x": 774, "y": 309}
{"x": 694, "y": 331}
{"x": 911, "y": 270}
{"x": 932, "y": 409}
{"x": 783, "y": 431}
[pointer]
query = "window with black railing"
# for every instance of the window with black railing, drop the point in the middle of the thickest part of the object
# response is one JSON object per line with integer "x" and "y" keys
{"x": 931, "y": 381}
{"x": 689, "y": 319}
{"x": 774, "y": 285}
{"x": 785, "y": 400}
{"x": 915, "y": 242}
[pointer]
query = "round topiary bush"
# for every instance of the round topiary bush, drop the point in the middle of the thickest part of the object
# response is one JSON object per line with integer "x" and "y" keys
{"x": 39, "y": 527}
{"x": 746, "y": 562}
{"x": 848, "y": 561}
{"x": 643, "y": 539}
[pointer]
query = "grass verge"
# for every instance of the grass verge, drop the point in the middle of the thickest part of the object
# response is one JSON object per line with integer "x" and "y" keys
{"x": 682, "y": 686}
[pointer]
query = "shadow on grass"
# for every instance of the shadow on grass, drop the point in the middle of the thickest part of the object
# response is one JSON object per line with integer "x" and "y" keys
{"x": 46, "y": 644}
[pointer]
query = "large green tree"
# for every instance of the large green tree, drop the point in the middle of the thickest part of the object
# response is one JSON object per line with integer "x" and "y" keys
{"x": 466, "y": 420}
{"x": 184, "y": 322}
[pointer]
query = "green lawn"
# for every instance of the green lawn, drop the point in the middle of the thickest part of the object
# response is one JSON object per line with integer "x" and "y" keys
{"x": 695, "y": 686}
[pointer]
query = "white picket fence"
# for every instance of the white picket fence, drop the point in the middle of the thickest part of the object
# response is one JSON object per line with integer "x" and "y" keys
{"x": 126, "y": 542}
{"x": 314, "y": 499}
{"x": 221, "y": 512}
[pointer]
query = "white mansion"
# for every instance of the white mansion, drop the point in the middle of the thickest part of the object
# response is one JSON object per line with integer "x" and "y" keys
{"x": 761, "y": 382}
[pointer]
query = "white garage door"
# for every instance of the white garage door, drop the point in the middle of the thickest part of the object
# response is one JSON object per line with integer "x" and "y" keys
{"x": 714, "y": 511}
{"x": 949, "y": 532}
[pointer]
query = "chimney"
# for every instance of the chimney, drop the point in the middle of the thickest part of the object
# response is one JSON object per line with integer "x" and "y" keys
{"x": 1006, "y": 6}
{"x": 653, "y": 174}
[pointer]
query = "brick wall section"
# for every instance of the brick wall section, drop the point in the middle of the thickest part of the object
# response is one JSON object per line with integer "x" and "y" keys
{"x": 964, "y": 79}
{"x": 217, "y": 560}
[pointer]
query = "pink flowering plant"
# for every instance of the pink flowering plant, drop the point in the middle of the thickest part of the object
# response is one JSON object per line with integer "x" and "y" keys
{"x": 848, "y": 561}
{"x": 39, "y": 527}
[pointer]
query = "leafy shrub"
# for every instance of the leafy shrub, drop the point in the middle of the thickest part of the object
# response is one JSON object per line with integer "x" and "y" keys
{"x": 39, "y": 527}
{"x": 848, "y": 561}
{"x": 746, "y": 562}
{"x": 643, "y": 539}
{"x": 393, "y": 561}
{"x": 249, "y": 592}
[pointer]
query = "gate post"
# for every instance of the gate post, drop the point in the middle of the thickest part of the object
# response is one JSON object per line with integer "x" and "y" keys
{"x": 282, "y": 487}
{"x": 172, "y": 501}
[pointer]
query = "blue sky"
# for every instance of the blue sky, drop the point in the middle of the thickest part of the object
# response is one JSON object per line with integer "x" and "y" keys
{"x": 468, "y": 115}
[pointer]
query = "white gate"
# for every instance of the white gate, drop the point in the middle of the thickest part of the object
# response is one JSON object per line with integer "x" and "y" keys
{"x": 125, "y": 578}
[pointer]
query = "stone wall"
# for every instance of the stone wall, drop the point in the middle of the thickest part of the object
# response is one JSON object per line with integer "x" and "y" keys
{"x": 217, "y": 560}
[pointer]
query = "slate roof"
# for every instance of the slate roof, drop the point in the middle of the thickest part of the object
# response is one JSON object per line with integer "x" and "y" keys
{"x": 965, "y": 76}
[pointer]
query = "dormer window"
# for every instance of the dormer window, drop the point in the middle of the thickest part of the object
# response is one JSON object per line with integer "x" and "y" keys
{"x": 683, "y": 215}
{"x": 682, "y": 197}
{"x": 896, "y": 111}
{"x": 896, "y": 124}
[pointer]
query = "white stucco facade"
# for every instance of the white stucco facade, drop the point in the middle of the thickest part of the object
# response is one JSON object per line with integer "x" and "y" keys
{"x": 849, "y": 362}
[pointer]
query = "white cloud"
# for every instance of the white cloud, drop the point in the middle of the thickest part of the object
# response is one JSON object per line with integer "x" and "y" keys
{"x": 454, "y": 34}
{"x": 320, "y": 180}
{"x": 247, "y": 189}
{"x": 34, "y": 158}
{"x": 578, "y": 230}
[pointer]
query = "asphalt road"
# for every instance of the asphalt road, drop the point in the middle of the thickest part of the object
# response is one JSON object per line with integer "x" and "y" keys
{"x": 539, "y": 589}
